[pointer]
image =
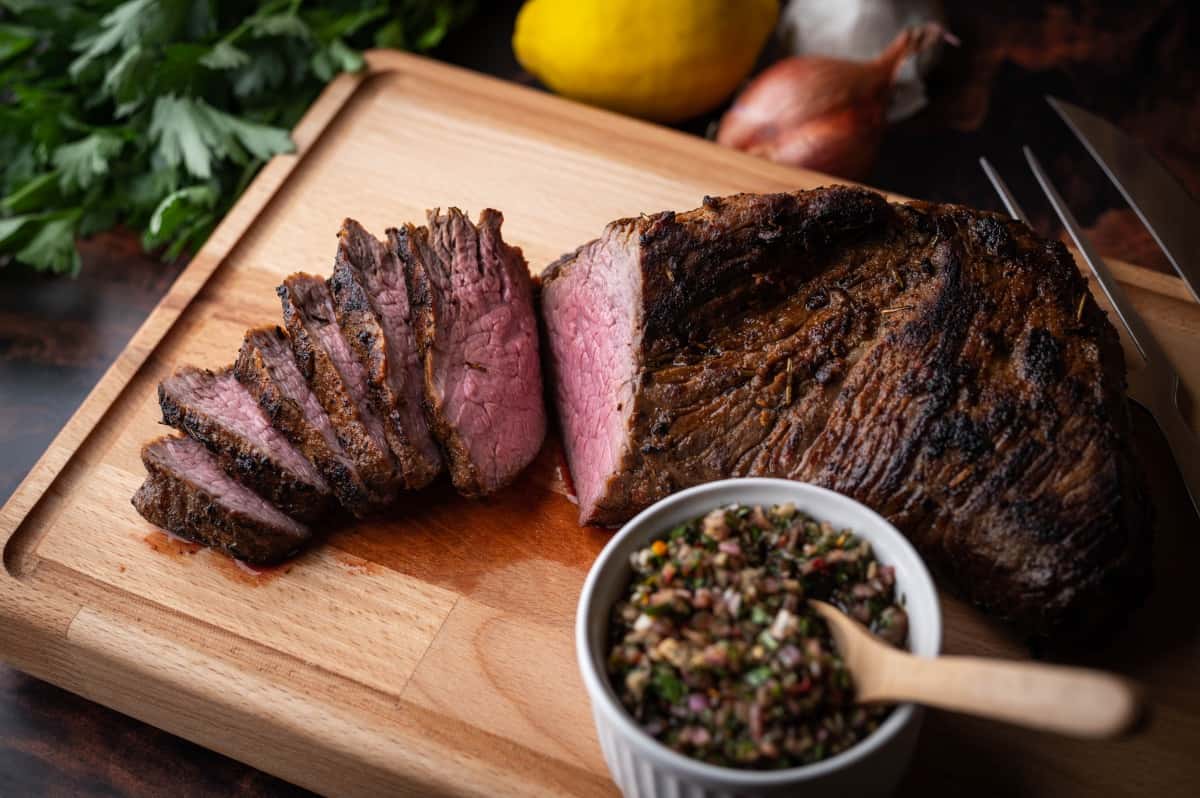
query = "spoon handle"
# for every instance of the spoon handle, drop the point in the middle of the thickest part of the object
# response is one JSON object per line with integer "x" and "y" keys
{"x": 1075, "y": 701}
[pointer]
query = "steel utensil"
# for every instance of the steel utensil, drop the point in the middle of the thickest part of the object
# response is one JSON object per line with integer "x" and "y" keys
{"x": 1156, "y": 385}
{"x": 1169, "y": 212}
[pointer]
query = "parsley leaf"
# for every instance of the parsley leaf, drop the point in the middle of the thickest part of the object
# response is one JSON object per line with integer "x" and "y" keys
{"x": 335, "y": 58}
{"x": 266, "y": 70}
{"x": 131, "y": 23}
{"x": 225, "y": 55}
{"x": 15, "y": 40}
{"x": 81, "y": 163}
{"x": 181, "y": 216}
{"x": 183, "y": 135}
{"x": 191, "y": 132}
{"x": 279, "y": 25}
{"x": 156, "y": 114}
{"x": 15, "y": 230}
{"x": 52, "y": 246}
{"x": 37, "y": 192}
{"x": 126, "y": 80}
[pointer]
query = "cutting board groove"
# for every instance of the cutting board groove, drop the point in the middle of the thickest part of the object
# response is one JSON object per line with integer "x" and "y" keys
{"x": 431, "y": 651}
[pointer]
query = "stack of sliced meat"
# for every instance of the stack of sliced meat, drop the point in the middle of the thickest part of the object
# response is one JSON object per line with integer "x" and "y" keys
{"x": 418, "y": 352}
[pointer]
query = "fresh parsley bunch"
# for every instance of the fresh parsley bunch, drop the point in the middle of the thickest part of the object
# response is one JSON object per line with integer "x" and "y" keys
{"x": 155, "y": 114}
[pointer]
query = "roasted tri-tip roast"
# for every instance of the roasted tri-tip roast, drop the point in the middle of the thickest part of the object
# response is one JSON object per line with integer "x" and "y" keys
{"x": 367, "y": 393}
{"x": 942, "y": 365}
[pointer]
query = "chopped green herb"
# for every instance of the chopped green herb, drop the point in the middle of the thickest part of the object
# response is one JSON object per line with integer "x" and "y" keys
{"x": 733, "y": 646}
{"x": 668, "y": 685}
{"x": 758, "y": 676}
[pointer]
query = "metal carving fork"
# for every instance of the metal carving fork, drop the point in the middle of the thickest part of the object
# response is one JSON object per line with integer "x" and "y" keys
{"x": 1156, "y": 385}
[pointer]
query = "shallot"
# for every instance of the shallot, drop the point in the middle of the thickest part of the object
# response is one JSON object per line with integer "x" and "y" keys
{"x": 821, "y": 113}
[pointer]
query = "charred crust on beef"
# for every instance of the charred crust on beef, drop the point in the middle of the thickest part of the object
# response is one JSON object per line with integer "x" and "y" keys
{"x": 1041, "y": 360}
{"x": 338, "y": 381}
{"x": 991, "y": 232}
{"x": 979, "y": 402}
{"x": 188, "y": 494}
{"x": 371, "y": 301}
{"x": 215, "y": 409}
{"x": 266, "y": 367}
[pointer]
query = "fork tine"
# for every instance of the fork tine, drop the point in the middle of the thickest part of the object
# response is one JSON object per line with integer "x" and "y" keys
{"x": 1156, "y": 386}
{"x": 1006, "y": 196}
{"x": 1142, "y": 338}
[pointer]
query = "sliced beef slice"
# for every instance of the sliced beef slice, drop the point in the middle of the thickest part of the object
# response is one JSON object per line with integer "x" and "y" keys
{"x": 216, "y": 410}
{"x": 371, "y": 300}
{"x": 188, "y": 494}
{"x": 472, "y": 300}
{"x": 338, "y": 380}
{"x": 944, "y": 366}
{"x": 267, "y": 369}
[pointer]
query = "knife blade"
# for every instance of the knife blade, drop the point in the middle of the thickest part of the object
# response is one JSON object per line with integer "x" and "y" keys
{"x": 1165, "y": 207}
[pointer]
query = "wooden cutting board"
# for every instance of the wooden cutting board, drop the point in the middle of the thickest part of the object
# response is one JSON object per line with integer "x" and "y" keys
{"x": 433, "y": 651}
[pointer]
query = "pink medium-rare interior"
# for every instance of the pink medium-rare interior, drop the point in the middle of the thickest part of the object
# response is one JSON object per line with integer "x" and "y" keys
{"x": 224, "y": 398}
{"x": 188, "y": 459}
{"x": 277, "y": 355}
{"x": 591, "y": 312}
{"x": 489, "y": 375}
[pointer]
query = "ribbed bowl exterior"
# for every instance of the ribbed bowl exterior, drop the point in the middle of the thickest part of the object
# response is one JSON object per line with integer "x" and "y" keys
{"x": 642, "y": 767}
{"x": 639, "y": 776}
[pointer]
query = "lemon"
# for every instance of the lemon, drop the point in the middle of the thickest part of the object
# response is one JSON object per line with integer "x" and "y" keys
{"x": 665, "y": 60}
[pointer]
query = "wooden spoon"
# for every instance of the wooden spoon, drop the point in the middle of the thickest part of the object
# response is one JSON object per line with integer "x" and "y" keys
{"x": 1074, "y": 701}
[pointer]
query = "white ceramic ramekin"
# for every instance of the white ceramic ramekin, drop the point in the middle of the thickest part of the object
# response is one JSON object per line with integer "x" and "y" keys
{"x": 640, "y": 765}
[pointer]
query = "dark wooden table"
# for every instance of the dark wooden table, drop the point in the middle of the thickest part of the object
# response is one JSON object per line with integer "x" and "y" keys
{"x": 1132, "y": 64}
